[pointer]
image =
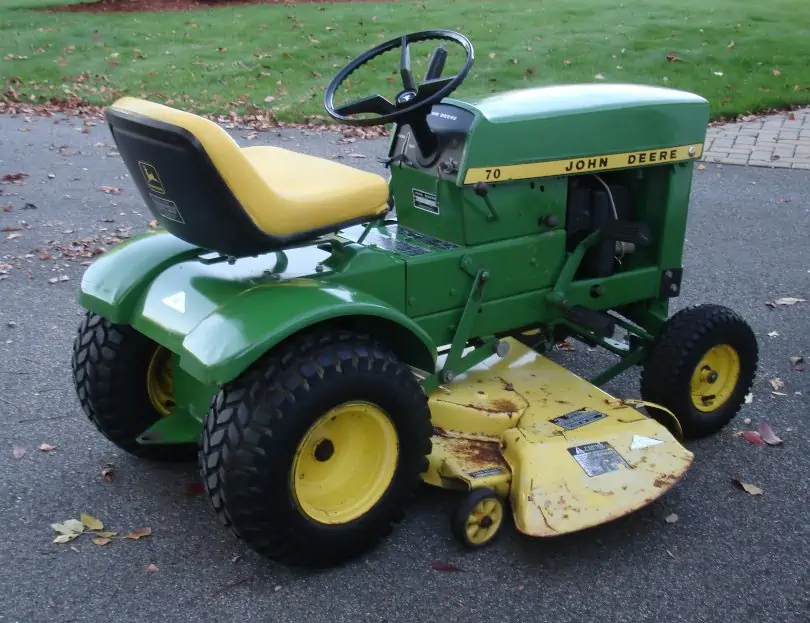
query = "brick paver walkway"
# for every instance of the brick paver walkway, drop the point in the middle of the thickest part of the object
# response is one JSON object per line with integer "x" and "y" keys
{"x": 781, "y": 140}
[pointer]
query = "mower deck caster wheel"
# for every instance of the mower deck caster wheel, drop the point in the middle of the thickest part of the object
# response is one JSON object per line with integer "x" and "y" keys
{"x": 478, "y": 519}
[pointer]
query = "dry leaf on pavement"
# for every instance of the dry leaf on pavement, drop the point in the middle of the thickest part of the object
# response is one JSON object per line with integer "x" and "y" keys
{"x": 151, "y": 568}
{"x": 768, "y": 436}
{"x": 138, "y": 533}
{"x": 91, "y": 523}
{"x": 45, "y": 447}
{"x": 110, "y": 190}
{"x": 101, "y": 541}
{"x": 785, "y": 300}
{"x": 748, "y": 488}
{"x": 752, "y": 437}
{"x": 777, "y": 384}
{"x": 107, "y": 472}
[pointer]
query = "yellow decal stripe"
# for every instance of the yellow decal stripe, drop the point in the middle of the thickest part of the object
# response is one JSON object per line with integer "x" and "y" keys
{"x": 573, "y": 166}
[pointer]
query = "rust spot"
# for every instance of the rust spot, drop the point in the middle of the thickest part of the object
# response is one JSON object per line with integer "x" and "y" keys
{"x": 665, "y": 481}
{"x": 478, "y": 453}
{"x": 499, "y": 405}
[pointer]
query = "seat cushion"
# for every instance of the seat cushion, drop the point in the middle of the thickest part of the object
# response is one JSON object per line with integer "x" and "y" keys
{"x": 310, "y": 192}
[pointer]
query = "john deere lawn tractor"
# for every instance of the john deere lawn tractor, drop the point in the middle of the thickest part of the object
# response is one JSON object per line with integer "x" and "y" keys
{"x": 325, "y": 339}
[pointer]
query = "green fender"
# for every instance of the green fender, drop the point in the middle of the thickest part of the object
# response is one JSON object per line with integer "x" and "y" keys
{"x": 112, "y": 285}
{"x": 234, "y": 336}
{"x": 230, "y": 315}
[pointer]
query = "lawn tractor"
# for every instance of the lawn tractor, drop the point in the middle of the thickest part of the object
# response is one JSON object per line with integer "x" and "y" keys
{"x": 325, "y": 340}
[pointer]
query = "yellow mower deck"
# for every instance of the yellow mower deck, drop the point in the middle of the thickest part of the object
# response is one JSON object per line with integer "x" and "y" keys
{"x": 566, "y": 454}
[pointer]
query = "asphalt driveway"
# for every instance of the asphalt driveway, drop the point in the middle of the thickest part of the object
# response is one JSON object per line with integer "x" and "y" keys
{"x": 730, "y": 556}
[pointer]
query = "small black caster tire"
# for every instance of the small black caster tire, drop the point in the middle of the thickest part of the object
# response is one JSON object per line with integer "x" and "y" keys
{"x": 123, "y": 382}
{"x": 478, "y": 519}
{"x": 701, "y": 367}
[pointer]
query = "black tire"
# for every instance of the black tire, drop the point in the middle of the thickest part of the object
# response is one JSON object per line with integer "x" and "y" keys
{"x": 463, "y": 514}
{"x": 257, "y": 421}
{"x": 110, "y": 363}
{"x": 676, "y": 354}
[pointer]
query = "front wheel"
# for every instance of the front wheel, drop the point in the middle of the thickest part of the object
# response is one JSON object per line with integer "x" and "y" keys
{"x": 701, "y": 368}
{"x": 315, "y": 451}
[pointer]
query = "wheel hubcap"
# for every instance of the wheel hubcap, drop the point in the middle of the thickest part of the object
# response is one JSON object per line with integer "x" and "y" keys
{"x": 484, "y": 521}
{"x": 159, "y": 384}
{"x": 345, "y": 463}
{"x": 715, "y": 378}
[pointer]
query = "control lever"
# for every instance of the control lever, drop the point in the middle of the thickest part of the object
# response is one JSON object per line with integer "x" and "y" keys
{"x": 482, "y": 190}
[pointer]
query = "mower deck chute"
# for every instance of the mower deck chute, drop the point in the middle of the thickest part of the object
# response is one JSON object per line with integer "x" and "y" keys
{"x": 568, "y": 455}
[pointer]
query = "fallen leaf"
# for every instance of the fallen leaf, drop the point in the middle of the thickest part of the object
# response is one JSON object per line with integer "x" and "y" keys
{"x": 13, "y": 236}
{"x": 269, "y": 99}
{"x": 701, "y": 167}
{"x": 492, "y": 55}
{"x": 671, "y": 518}
{"x": 138, "y": 533}
{"x": 673, "y": 58}
{"x": 45, "y": 447}
{"x": 71, "y": 526}
{"x": 101, "y": 541}
{"x": 730, "y": 46}
{"x": 717, "y": 73}
{"x": 768, "y": 436}
{"x": 441, "y": 566}
{"x": 53, "y": 280}
{"x": 776, "y": 72}
{"x": 106, "y": 535}
{"x": 64, "y": 538}
{"x": 752, "y": 437}
{"x": 14, "y": 177}
{"x": 773, "y": 334}
{"x": 598, "y": 77}
{"x": 107, "y": 472}
{"x": 110, "y": 190}
{"x": 151, "y": 568}
{"x": 195, "y": 488}
{"x": 18, "y": 452}
{"x": 11, "y": 228}
{"x": 787, "y": 300}
{"x": 748, "y": 488}
{"x": 153, "y": 224}
{"x": 797, "y": 361}
{"x": 91, "y": 523}
{"x": 566, "y": 62}
{"x": 777, "y": 383}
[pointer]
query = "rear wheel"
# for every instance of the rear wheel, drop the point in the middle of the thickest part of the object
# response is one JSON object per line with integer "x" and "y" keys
{"x": 315, "y": 451}
{"x": 124, "y": 384}
{"x": 701, "y": 367}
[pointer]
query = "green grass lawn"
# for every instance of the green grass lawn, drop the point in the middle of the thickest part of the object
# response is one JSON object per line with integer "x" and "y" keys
{"x": 741, "y": 55}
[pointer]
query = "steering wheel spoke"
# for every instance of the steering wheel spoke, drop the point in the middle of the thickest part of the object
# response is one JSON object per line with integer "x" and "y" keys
{"x": 431, "y": 87}
{"x": 405, "y": 66}
{"x": 373, "y": 104}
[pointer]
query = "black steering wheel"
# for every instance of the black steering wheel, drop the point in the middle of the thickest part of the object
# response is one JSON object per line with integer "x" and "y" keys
{"x": 413, "y": 102}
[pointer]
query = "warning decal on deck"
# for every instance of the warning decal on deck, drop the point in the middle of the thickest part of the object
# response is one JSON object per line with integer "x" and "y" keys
{"x": 425, "y": 201}
{"x": 597, "y": 458}
{"x": 489, "y": 471}
{"x": 577, "y": 418}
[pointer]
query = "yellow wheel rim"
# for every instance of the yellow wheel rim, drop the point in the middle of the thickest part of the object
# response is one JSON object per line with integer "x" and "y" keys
{"x": 715, "y": 378}
{"x": 159, "y": 381}
{"x": 484, "y": 521}
{"x": 345, "y": 463}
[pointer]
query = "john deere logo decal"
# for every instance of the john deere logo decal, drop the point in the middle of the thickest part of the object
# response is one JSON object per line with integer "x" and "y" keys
{"x": 152, "y": 178}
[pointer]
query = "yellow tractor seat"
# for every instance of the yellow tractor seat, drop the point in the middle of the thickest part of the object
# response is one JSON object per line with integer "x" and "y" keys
{"x": 207, "y": 190}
